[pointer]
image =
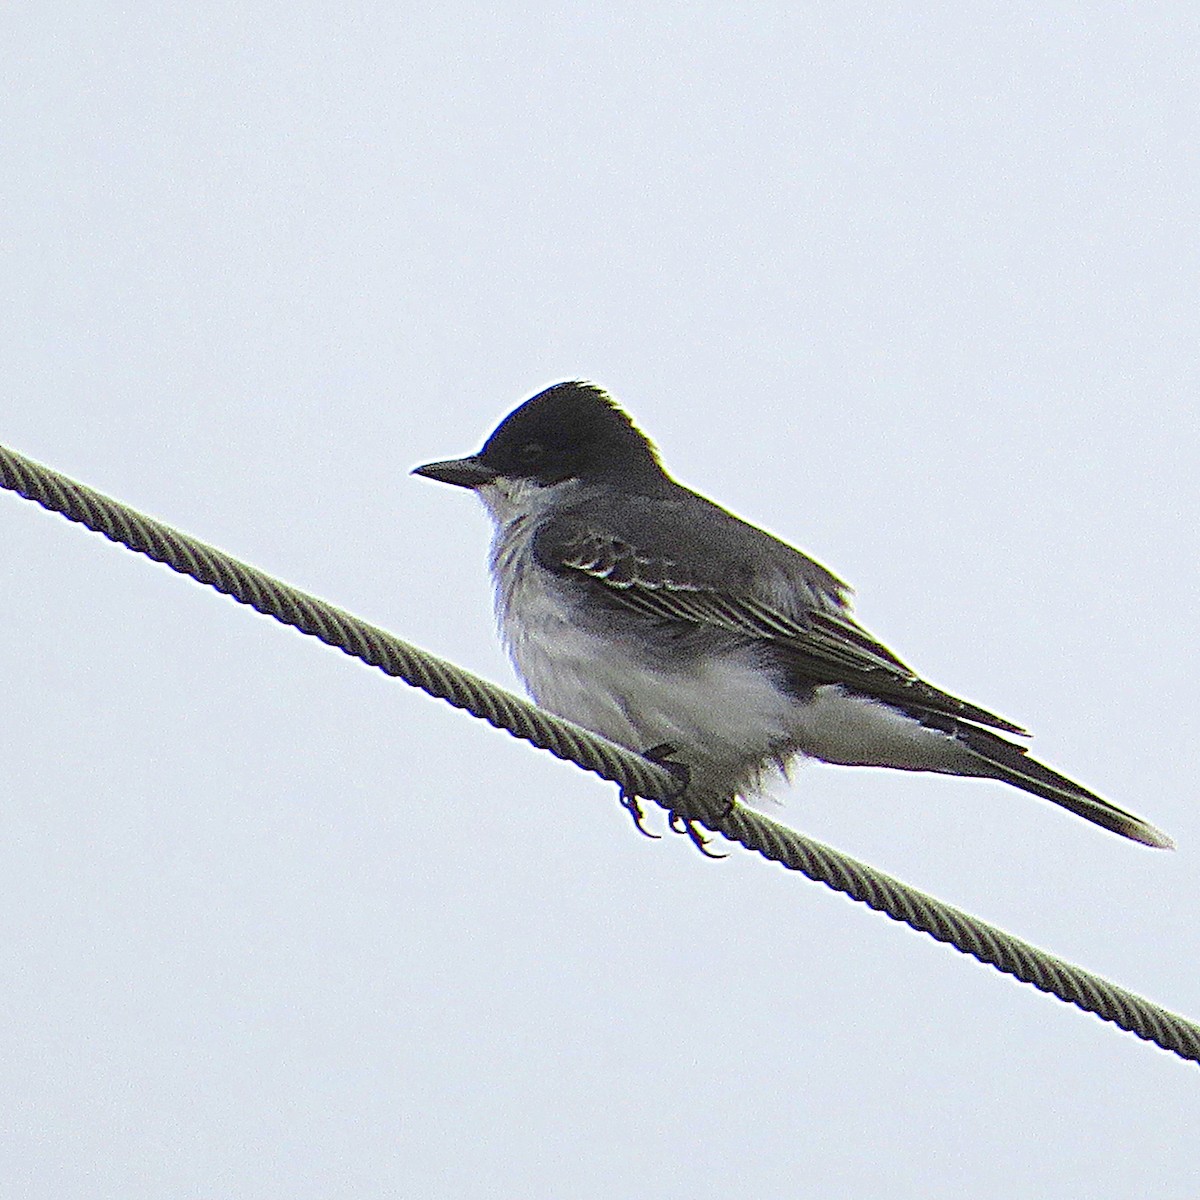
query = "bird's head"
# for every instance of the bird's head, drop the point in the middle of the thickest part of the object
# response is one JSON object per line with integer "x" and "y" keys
{"x": 569, "y": 432}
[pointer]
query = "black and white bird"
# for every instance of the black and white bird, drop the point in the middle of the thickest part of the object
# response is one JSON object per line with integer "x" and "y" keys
{"x": 646, "y": 613}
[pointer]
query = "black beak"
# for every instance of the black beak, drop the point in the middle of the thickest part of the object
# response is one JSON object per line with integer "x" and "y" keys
{"x": 462, "y": 472}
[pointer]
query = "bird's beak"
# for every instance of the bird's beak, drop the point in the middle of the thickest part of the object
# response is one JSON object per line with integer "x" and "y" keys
{"x": 462, "y": 472}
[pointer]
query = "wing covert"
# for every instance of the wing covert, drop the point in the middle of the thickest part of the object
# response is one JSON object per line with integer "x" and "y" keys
{"x": 821, "y": 643}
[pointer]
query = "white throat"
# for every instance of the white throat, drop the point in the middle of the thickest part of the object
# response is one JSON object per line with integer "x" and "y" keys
{"x": 509, "y": 500}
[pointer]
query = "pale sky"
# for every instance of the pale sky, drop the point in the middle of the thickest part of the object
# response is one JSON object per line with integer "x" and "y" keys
{"x": 914, "y": 288}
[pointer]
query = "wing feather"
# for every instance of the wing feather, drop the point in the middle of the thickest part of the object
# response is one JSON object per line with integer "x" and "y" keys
{"x": 821, "y": 644}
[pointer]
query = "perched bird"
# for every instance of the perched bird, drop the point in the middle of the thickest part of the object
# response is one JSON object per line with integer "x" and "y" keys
{"x": 646, "y": 613}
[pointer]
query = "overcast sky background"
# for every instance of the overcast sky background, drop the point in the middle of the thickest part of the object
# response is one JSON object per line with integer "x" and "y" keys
{"x": 913, "y": 287}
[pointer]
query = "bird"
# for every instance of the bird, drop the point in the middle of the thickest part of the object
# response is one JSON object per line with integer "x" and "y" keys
{"x": 644, "y": 612}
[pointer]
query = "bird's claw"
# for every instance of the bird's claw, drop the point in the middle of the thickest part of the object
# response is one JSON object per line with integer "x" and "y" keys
{"x": 660, "y": 755}
{"x": 633, "y": 806}
{"x": 681, "y": 824}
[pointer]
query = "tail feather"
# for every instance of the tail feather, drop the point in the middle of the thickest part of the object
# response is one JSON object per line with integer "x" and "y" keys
{"x": 1001, "y": 759}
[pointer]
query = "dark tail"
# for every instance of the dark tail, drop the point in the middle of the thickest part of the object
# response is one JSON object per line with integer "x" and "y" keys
{"x": 1000, "y": 759}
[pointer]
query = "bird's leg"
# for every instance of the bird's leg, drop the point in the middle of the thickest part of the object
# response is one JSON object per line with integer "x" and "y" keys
{"x": 658, "y": 755}
{"x": 661, "y": 754}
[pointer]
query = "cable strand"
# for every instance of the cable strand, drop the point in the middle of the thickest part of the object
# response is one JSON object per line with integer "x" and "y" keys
{"x": 636, "y": 776}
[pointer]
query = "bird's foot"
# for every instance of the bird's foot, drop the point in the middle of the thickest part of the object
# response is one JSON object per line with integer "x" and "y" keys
{"x": 661, "y": 755}
{"x": 681, "y": 824}
{"x": 633, "y": 806}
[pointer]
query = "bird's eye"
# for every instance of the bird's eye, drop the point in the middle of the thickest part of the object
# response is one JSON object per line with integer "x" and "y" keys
{"x": 531, "y": 452}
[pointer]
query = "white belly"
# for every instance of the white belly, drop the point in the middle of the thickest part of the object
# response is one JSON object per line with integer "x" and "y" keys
{"x": 727, "y": 718}
{"x": 723, "y": 715}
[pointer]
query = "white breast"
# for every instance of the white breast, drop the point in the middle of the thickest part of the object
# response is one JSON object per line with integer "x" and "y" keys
{"x": 724, "y": 716}
{"x": 723, "y": 712}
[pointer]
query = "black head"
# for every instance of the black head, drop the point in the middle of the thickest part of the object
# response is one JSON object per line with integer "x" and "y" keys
{"x": 569, "y": 431}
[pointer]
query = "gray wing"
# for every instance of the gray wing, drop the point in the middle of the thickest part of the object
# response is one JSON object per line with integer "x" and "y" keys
{"x": 735, "y": 586}
{"x": 748, "y": 584}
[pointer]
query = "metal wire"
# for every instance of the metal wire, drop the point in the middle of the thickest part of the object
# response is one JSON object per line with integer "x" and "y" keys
{"x": 635, "y": 775}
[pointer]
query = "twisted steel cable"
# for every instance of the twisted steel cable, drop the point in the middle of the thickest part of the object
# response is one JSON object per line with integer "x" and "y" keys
{"x": 634, "y": 774}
